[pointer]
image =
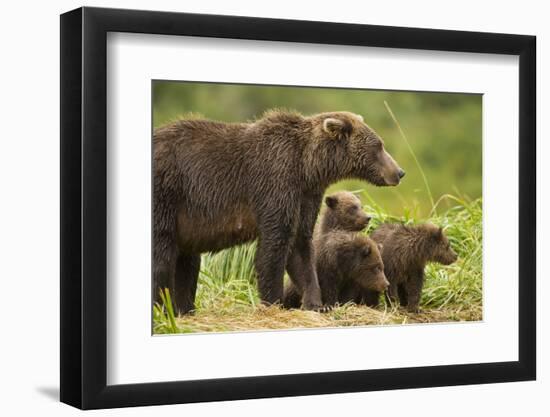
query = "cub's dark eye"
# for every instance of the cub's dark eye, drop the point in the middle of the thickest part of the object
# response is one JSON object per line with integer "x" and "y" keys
{"x": 352, "y": 209}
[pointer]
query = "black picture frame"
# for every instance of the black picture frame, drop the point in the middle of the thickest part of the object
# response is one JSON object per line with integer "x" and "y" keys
{"x": 84, "y": 207}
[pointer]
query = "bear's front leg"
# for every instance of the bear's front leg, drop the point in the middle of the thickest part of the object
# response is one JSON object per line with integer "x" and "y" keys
{"x": 414, "y": 291}
{"x": 302, "y": 272}
{"x": 271, "y": 257}
{"x": 300, "y": 265}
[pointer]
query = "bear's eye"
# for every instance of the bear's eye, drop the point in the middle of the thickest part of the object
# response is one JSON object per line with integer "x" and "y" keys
{"x": 352, "y": 209}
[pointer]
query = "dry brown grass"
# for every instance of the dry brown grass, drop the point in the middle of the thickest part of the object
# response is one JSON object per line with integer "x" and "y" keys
{"x": 246, "y": 318}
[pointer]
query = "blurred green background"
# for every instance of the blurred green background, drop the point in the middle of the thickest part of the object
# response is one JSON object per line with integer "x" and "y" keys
{"x": 444, "y": 131}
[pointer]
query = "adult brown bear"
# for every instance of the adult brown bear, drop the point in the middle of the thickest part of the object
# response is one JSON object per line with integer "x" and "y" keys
{"x": 217, "y": 185}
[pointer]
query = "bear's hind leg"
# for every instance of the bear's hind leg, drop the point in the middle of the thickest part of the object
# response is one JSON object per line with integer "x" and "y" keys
{"x": 164, "y": 244}
{"x": 403, "y": 297}
{"x": 187, "y": 274}
{"x": 164, "y": 265}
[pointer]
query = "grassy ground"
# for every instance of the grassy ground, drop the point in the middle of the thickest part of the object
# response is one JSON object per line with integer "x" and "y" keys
{"x": 275, "y": 318}
{"x": 227, "y": 297}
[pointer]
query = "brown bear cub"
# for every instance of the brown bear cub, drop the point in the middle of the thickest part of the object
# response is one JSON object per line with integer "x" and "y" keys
{"x": 343, "y": 261}
{"x": 405, "y": 252}
{"x": 343, "y": 257}
{"x": 218, "y": 185}
{"x": 344, "y": 212}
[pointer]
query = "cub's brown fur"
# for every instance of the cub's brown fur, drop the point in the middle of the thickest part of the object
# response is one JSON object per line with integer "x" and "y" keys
{"x": 344, "y": 261}
{"x": 344, "y": 212}
{"x": 217, "y": 185}
{"x": 343, "y": 258}
{"x": 405, "y": 252}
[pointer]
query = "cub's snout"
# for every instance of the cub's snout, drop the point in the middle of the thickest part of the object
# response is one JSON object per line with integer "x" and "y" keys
{"x": 385, "y": 284}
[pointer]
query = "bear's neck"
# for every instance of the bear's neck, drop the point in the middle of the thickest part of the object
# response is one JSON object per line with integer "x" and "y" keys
{"x": 322, "y": 168}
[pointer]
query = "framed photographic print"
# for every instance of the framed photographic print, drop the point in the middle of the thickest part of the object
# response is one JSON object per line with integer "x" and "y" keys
{"x": 257, "y": 208}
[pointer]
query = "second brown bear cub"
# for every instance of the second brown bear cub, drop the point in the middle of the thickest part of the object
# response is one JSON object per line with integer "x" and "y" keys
{"x": 343, "y": 257}
{"x": 405, "y": 252}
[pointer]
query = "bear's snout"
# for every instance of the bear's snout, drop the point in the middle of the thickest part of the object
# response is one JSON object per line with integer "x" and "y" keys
{"x": 391, "y": 172}
{"x": 364, "y": 222}
{"x": 385, "y": 284}
{"x": 453, "y": 257}
{"x": 449, "y": 258}
{"x": 393, "y": 179}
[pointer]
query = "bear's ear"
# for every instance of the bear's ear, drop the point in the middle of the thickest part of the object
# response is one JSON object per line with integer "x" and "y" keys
{"x": 438, "y": 233}
{"x": 331, "y": 201}
{"x": 380, "y": 247}
{"x": 336, "y": 128}
{"x": 366, "y": 250}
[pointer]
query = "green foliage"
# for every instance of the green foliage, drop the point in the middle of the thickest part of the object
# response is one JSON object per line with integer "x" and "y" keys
{"x": 460, "y": 283}
{"x": 228, "y": 275}
{"x": 164, "y": 319}
{"x": 444, "y": 129}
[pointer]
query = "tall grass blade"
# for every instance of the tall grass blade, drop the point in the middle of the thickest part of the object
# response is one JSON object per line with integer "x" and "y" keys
{"x": 413, "y": 154}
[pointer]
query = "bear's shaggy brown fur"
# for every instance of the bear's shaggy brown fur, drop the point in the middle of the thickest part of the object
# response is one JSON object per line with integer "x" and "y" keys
{"x": 344, "y": 212}
{"x": 344, "y": 260}
{"x": 217, "y": 185}
{"x": 342, "y": 257}
{"x": 405, "y": 252}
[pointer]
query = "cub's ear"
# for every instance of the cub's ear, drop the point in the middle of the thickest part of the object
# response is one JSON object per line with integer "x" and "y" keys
{"x": 366, "y": 250}
{"x": 331, "y": 201}
{"x": 336, "y": 128}
{"x": 438, "y": 233}
{"x": 380, "y": 247}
